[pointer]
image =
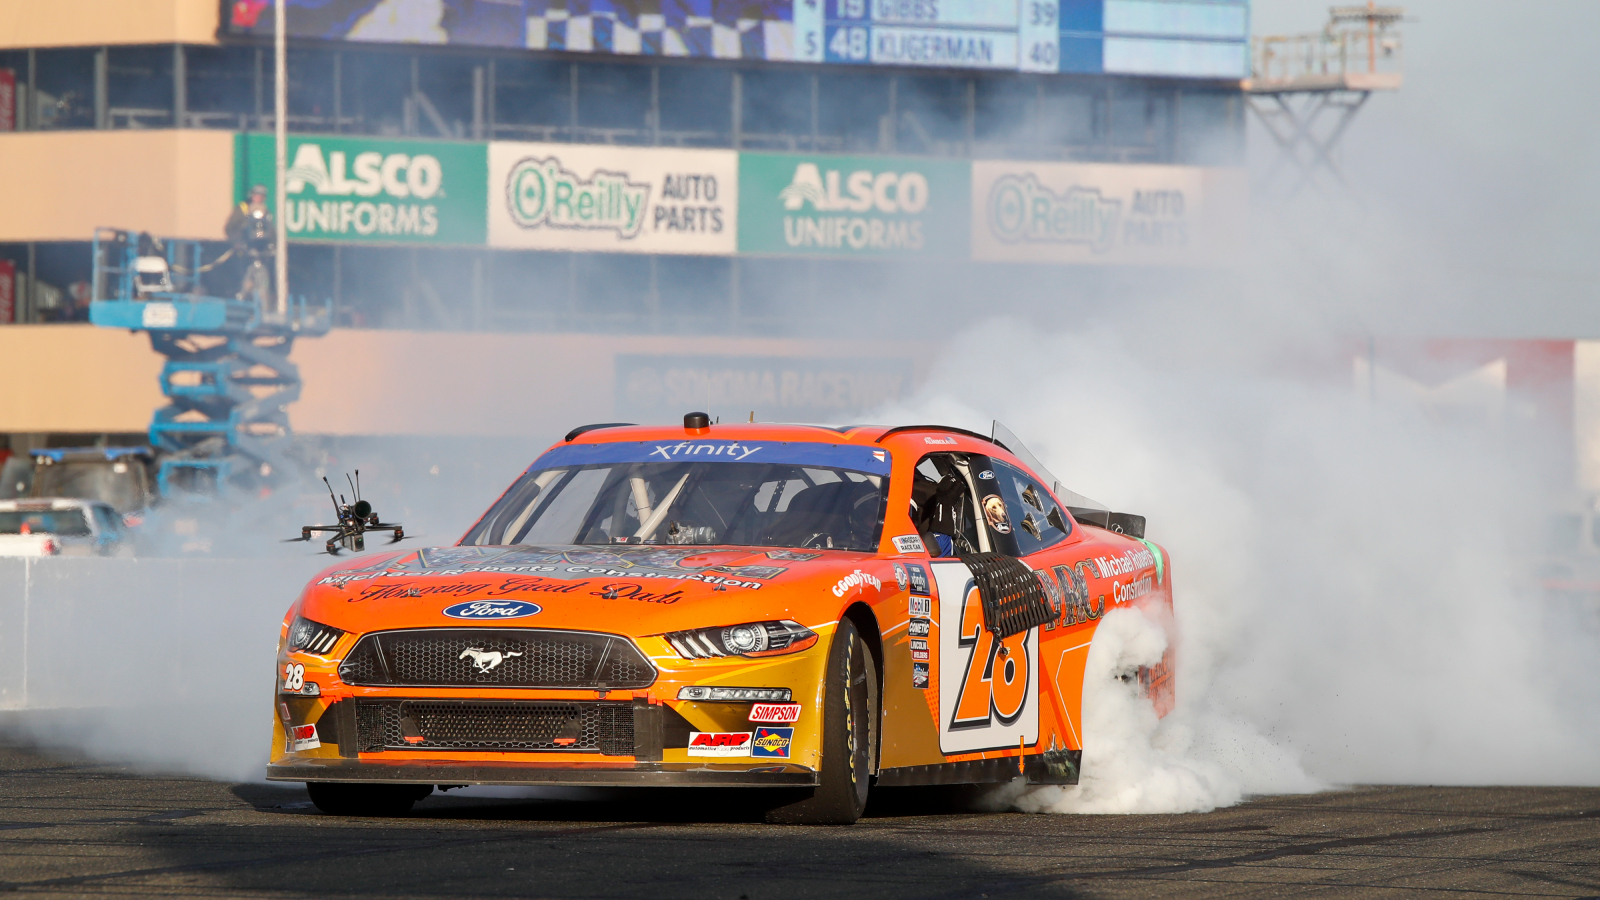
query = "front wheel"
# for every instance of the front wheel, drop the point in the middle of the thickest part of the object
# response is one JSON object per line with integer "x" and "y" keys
{"x": 345, "y": 799}
{"x": 849, "y": 732}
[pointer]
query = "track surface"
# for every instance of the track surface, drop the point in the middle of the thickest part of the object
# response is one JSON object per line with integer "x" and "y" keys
{"x": 77, "y": 829}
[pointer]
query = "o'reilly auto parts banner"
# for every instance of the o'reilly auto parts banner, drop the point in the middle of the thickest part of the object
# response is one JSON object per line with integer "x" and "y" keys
{"x": 852, "y": 205}
{"x": 372, "y": 191}
{"x": 613, "y": 199}
{"x": 1110, "y": 214}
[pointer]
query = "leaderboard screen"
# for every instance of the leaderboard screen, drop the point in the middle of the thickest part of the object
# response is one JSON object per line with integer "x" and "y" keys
{"x": 1172, "y": 38}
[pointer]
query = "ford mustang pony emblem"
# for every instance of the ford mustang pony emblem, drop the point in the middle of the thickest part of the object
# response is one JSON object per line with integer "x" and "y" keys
{"x": 486, "y": 660}
{"x": 492, "y": 609}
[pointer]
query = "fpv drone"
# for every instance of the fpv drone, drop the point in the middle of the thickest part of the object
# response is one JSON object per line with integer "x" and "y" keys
{"x": 355, "y": 520}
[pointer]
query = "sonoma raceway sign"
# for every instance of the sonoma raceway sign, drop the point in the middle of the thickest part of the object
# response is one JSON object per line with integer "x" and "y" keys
{"x": 615, "y": 199}
{"x": 373, "y": 191}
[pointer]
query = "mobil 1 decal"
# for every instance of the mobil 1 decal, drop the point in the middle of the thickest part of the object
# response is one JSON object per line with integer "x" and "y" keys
{"x": 988, "y": 689}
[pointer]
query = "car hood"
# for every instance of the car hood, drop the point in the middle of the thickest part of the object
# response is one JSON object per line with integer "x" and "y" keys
{"x": 624, "y": 590}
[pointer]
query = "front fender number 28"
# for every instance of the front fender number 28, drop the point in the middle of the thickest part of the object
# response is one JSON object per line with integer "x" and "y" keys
{"x": 294, "y": 677}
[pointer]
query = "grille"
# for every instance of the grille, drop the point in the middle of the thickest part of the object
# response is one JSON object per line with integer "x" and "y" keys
{"x": 497, "y": 657}
{"x": 496, "y": 726}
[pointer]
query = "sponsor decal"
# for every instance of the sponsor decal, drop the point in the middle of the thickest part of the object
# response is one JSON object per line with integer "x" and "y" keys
{"x": 487, "y": 660}
{"x": 1068, "y": 590}
{"x": 918, "y": 628}
{"x": 540, "y": 192}
{"x": 298, "y": 738}
{"x": 919, "y": 675}
{"x": 900, "y": 577}
{"x": 791, "y": 555}
{"x": 986, "y": 475}
{"x": 1133, "y": 590}
{"x": 854, "y": 581}
{"x": 880, "y": 456}
{"x": 1126, "y": 564}
{"x": 919, "y": 649}
{"x": 908, "y": 543}
{"x": 994, "y": 510}
{"x": 780, "y": 713}
{"x": 1022, "y": 209}
{"x": 1155, "y": 552}
{"x": 771, "y": 743}
{"x": 919, "y": 578}
{"x": 938, "y": 440}
{"x": 719, "y": 743}
{"x": 920, "y": 606}
{"x": 492, "y": 609}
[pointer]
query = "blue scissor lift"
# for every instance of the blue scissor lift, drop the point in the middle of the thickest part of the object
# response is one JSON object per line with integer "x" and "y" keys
{"x": 228, "y": 379}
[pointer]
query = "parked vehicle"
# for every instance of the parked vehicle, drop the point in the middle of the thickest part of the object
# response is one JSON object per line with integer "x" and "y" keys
{"x": 61, "y": 527}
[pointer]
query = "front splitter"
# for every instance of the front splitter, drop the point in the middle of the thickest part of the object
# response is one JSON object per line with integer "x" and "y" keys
{"x": 655, "y": 775}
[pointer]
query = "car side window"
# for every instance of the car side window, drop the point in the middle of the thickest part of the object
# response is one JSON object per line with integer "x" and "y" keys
{"x": 1036, "y": 520}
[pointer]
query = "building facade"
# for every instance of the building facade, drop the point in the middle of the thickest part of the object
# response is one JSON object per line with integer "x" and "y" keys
{"x": 686, "y": 165}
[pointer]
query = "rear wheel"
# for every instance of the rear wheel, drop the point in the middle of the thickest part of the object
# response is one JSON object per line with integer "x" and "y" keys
{"x": 849, "y": 733}
{"x": 344, "y": 799}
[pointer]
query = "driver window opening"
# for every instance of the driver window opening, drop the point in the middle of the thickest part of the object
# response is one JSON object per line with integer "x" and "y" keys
{"x": 943, "y": 505}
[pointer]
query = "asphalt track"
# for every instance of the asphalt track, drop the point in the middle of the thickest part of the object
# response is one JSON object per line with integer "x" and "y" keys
{"x": 77, "y": 829}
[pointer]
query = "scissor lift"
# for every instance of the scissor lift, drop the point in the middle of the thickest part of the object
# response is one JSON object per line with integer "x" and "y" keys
{"x": 228, "y": 379}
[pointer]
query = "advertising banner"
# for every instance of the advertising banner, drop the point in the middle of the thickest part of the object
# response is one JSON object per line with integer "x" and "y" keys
{"x": 364, "y": 190}
{"x": 653, "y": 387}
{"x": 8, "y": 291}
{"x": 613, "y": 199}
{"x": 852, "y": 205}
{"x": 8, "y": 100}
{"x": 1105, "y": 214}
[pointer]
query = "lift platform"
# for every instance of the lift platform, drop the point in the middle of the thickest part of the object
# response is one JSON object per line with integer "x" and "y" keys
{"x": 228, "y": 379}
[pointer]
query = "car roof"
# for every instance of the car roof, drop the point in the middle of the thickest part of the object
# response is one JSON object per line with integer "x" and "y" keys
{"x": 617, "y": 432}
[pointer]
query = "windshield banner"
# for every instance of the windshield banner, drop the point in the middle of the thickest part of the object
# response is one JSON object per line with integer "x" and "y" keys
{"x": 871, "y": 460}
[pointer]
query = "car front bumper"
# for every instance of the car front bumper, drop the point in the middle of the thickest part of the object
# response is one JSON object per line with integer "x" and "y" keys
{"x": 601, "y": 775}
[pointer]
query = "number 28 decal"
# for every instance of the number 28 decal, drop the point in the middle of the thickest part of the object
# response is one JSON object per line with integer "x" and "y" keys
{"x": 294, "y": 677}
{"x": 994, "y": 685}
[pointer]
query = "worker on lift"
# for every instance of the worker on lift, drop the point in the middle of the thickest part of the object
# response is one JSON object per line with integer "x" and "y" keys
{"x": 252, "y": 231}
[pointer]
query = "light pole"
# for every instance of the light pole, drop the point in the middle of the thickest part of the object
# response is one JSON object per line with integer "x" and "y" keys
{"x": 280, "y": 127}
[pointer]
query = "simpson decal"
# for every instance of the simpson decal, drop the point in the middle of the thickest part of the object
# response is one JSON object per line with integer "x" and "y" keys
{"x": 719, "y": 743}
{"x": 988, "y": 689}
{"x": 781, "y": 713}
{"x": 771, "y": 743}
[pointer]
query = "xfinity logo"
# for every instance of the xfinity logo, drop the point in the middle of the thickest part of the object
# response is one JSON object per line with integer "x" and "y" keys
{"x": 486, "y": 660}
{"x": 734, "y": 449}
{"x": 492, "y": 609}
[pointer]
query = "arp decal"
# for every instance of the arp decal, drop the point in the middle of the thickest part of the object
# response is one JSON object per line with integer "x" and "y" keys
{"x": 771, "y": 743}
{"x": 719, "y": 743}
{"x": 780, "y": 713}
{"x": 988, "y": 689}
{"x": 300, "y": 737}
{"x": 492, "y": 609}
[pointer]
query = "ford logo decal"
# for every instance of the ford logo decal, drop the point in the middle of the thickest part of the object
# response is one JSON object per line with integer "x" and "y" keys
{"x": 492, "y": 609}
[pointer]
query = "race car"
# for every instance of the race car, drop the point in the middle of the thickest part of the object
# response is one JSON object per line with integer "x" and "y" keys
{"x": 799, "y": 609}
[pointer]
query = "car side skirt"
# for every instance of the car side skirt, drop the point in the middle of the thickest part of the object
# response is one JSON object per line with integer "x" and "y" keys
{"x": 1053, "y": 767}
{"x": 658, "y": 775}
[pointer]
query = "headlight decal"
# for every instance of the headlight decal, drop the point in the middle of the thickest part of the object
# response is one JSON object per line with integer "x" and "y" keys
{"x": 312, "y": 637}
{"x": 751, "y": 639}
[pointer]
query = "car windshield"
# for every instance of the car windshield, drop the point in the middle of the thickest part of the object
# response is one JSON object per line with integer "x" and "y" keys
{"x": 778, "y": 504}
{"x": 61, "y": 522}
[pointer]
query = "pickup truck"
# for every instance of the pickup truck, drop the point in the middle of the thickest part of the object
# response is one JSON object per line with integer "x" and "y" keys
{"x": 61, "y": 527}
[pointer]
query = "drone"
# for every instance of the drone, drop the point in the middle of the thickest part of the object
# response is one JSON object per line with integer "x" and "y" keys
{"x": 355, "y": 520}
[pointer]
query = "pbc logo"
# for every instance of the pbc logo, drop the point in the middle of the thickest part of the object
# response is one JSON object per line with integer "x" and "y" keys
{"x": 719, "y": 743}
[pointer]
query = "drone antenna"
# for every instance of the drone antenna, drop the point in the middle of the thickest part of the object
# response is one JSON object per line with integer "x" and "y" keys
{"x": 330, "y": 495}
{"x": 358, "y": 485}
{"x": 356, "y": 491}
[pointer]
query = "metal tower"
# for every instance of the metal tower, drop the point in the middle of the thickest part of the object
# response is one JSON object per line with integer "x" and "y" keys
{"x": 228, "y": 379}
{"x": 1307, "y": 88}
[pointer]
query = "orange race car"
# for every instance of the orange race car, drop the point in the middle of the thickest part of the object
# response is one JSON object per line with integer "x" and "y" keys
{"x": 804, "y": 609}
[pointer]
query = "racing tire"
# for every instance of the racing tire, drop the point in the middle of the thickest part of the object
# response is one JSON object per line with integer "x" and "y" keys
{"x": 338, "y": 798}
{"x": 849, "y": 734}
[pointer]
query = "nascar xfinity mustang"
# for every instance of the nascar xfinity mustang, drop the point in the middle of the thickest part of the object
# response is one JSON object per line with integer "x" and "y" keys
{"x": 801, "y": 609}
